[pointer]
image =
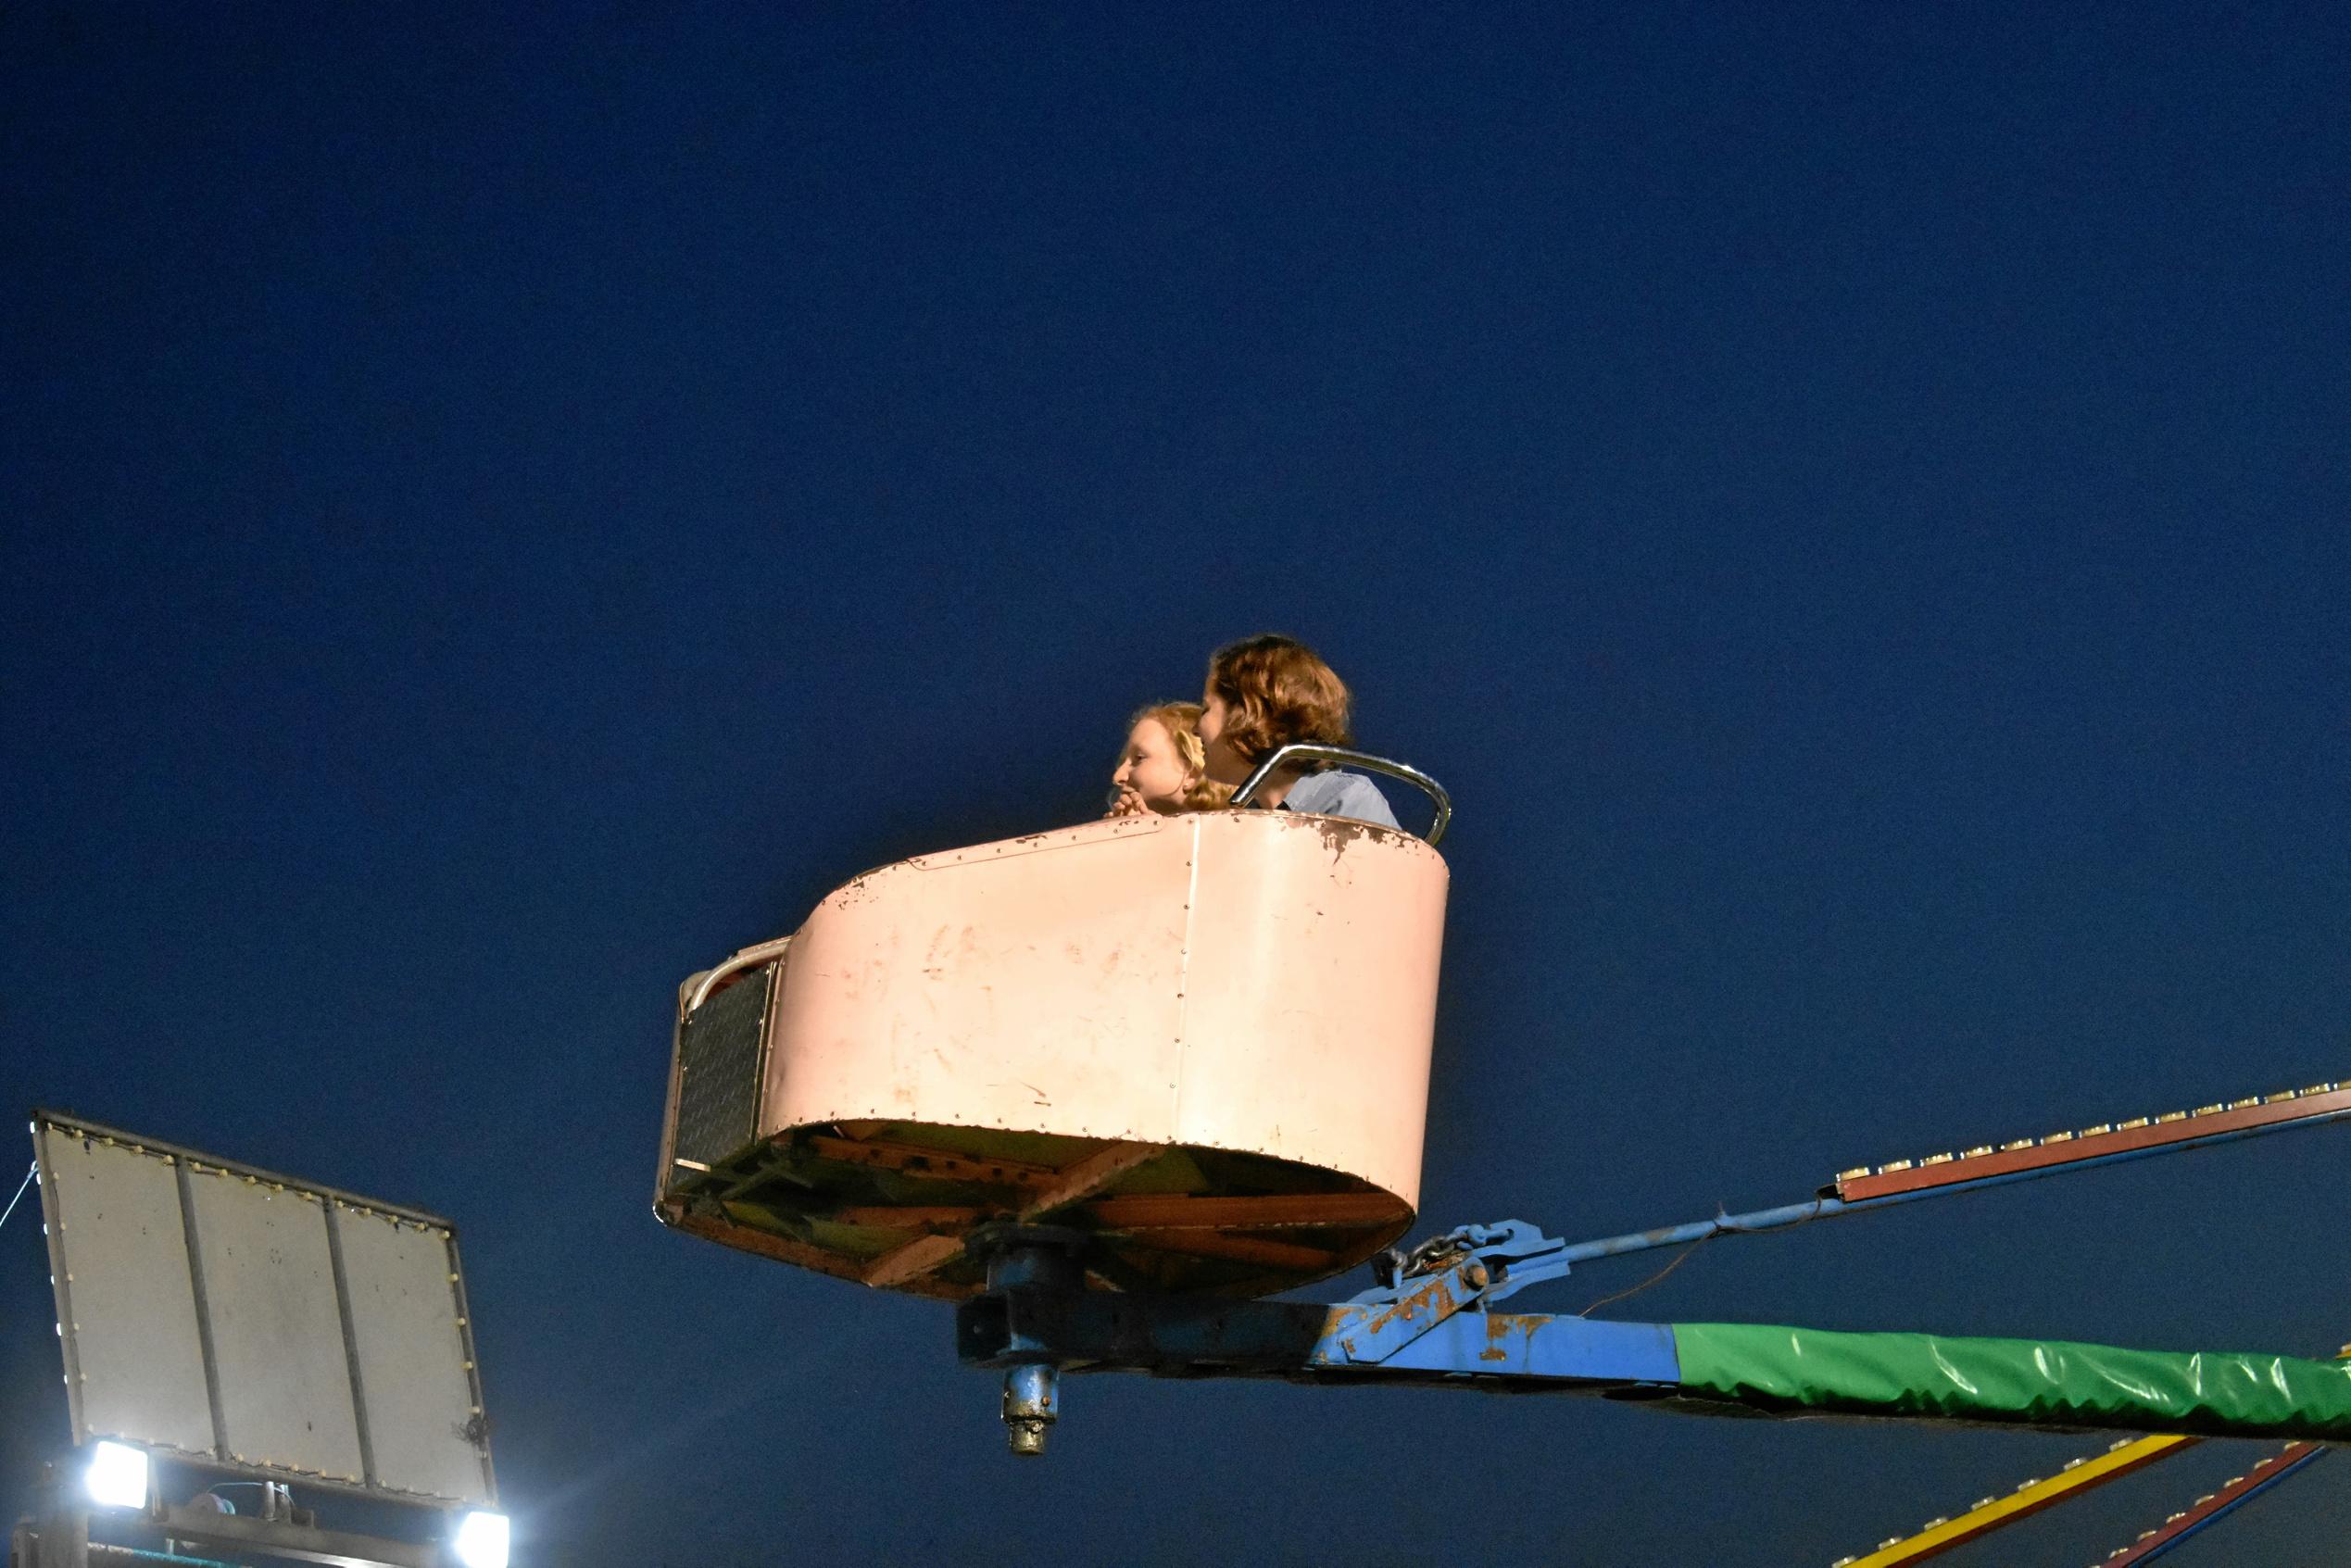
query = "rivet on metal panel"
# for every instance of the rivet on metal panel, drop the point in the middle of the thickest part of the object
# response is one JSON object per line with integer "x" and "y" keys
{"x": 1976, "y": 1153}
{"x": 2244, "y": 1104}
{"x": 2058, "y": 1137}
{"x": 2014, "y": 1144}
{"x": 2133, "y": 1126}
{"x": 2172, "y": 1116}
{"x": 1937, "y": 1522}
{"x": 2099, "y": 1131}
{"x": 1943, "y": 1159}
{"x": 1985, "y": 1502}
{"x": 2207, "y": 1111}
{"x": 1890, "y": 1167}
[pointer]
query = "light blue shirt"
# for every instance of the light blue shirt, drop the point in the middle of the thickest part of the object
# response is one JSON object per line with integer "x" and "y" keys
{"x": 1338, "y": 792}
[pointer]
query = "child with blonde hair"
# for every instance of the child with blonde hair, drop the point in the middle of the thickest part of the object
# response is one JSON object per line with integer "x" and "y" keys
{"x": 1163, "y": 767}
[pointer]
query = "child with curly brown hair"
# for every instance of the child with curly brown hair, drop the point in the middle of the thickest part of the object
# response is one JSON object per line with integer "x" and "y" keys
{"x": 1267, "y": 691}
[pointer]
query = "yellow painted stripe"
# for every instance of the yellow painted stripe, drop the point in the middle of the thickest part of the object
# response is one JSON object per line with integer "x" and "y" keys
{"x": 2031, "y": 1498}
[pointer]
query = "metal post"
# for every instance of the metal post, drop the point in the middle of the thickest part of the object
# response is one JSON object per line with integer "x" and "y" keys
{"x": 1031, "y": 1257}
{"x": 1032, "y": 1396}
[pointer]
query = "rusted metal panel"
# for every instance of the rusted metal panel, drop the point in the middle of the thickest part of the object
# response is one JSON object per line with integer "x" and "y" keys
{"x": 1032, "y": 984}
{"x": 1246, "y": 981}
{"x": 1312, "y": 994}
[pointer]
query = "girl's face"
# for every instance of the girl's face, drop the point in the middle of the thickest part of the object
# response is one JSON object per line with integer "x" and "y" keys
{"x": 1153, "y": 768}
{"x": 1224, "y": 765}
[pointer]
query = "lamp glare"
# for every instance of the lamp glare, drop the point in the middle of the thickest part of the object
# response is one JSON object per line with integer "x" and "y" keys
{"x": 118, "y": 1476}
{"x": 480, "y": 1540}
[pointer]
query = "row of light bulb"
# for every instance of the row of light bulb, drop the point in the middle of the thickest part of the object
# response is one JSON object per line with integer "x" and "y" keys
{"x": 119, "y": 1476}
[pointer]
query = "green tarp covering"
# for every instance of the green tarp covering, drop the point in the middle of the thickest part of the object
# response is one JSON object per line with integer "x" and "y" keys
{"x": 2044, "y": 1382}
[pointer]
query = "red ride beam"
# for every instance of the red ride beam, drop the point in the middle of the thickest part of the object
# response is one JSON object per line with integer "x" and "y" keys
{"x": 2320, "y": 1103}
{"x": 2243, "y": 1489}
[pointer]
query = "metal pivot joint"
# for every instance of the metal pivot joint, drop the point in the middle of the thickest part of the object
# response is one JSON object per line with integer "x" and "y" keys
{"x": 1043, "y": 1260}
{"x": 1032, "y": 1403}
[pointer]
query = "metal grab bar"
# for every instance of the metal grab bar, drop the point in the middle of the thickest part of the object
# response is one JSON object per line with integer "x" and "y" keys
{"x": 1311, "y": 751}
{"x": 750, "y": 958}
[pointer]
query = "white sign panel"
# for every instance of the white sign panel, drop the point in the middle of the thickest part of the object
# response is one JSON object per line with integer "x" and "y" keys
{"x": 135, "y": 1359}
{"x": 243, "y": 1319}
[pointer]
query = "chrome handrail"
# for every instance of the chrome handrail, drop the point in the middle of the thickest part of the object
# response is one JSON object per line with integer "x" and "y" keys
{"x": 750, "y": 958}
{"x": 1313, "y": 751}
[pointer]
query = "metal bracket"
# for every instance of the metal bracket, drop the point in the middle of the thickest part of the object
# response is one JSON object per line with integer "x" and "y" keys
{"x": 1471, "y": 1267}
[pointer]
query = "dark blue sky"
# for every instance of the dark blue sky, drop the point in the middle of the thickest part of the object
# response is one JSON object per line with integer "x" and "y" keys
{"x": 506, "y": 507}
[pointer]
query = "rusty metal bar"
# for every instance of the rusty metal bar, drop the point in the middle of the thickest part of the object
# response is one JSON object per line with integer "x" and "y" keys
{"x": 1285, "y": 1211}
{"x": 929, "y": 1253}
{"x": 934, "y": 1163}
{"x": 1241, "y": 1249}
{"x": 925, "y": 1254}
{"x": 2241, "y": 1489}
{"x": 2321, "y": 1102}
{"x": 1904, "y": 1181}
{"x": 912, "y": 1218}
{"x": 784, "y": 1250}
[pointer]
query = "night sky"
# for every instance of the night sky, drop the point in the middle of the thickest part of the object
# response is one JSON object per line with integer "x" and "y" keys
{"x": 505, "y": 508}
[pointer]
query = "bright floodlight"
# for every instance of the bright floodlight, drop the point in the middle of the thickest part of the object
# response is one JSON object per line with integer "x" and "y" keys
{"x": 480, "y": 1540}
{"x": 118, "y": 1476}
